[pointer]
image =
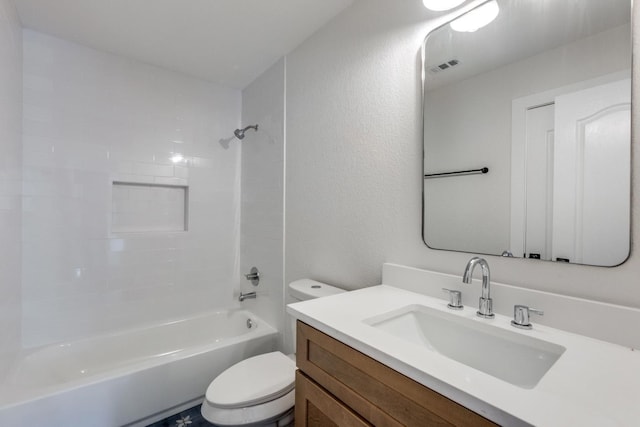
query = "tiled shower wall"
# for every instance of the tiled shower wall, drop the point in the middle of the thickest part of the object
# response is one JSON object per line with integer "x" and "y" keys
{"x": 92, "y": 118}
{"x": 262, "y": 222}
{"x": 10, "y": 176}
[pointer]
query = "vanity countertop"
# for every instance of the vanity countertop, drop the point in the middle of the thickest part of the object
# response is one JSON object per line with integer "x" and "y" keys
{"x": 593, "y": 383}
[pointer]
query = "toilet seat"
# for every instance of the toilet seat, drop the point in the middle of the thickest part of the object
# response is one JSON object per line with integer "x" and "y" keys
{"x": 253, "y": 390}
{"x": 249, "y": 415}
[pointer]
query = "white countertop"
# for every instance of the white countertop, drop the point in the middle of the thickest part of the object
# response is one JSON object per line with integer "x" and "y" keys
{"x": 594, "y": 383}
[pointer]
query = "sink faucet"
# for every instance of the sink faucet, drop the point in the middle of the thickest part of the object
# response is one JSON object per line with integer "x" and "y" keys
{"x": 485, "y": 308}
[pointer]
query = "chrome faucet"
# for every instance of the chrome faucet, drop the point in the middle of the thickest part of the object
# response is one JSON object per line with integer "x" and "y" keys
{"x": 485, "y": 308}
{"x": 248, "y": 295}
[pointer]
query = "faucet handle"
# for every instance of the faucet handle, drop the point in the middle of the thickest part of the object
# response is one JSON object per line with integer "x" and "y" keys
{"x": 455, "y": 299}
{"x": 521, "y": 316}
{"x": 253, "y": 276}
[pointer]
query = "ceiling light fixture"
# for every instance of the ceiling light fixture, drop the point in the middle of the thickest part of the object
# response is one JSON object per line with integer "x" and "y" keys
{"x": 440, "y": 5}
{"x": 477, "y": 18}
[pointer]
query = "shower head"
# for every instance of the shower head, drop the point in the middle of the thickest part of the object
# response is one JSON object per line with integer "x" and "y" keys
{"x": 239, "y": 133}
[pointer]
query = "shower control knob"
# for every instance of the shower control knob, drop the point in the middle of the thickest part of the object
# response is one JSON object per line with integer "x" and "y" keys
{"x": 253, "y": 276}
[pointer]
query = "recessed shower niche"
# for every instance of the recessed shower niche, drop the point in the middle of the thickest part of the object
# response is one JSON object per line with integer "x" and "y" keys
{"x": 138, "y": 207}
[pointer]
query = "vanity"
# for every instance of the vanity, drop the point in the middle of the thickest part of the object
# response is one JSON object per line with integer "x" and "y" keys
{"x": 393, "y": 355}
{"x": 339, "y": 386}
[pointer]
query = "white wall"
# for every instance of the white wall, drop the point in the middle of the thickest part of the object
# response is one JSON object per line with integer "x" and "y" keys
{"x": 10, "y": 176}
{"x": 475, "y": 136}
{"x": 91, "y": 118}
{"x": 354, "y": 163}
{"x": 262, "y": 223}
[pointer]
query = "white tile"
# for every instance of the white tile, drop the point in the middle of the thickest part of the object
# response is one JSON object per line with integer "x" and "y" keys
{"x": 261, "y": 240}
{"x": 11, "y": 81}
{"x": 170, "y": 181}
{"x": 93, "y": 118}
{"x": 153, "y": 169}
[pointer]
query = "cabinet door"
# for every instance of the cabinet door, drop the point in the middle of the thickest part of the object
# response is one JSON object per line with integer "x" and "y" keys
{"x": 373, "y": 391}
{"x": 317, "y": 408}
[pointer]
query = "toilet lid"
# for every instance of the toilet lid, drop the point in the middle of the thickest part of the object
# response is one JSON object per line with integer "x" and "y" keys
{"x": 253, "y": 381}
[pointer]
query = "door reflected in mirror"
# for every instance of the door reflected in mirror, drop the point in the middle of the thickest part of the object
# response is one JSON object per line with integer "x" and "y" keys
{"x": 541, "y": 97}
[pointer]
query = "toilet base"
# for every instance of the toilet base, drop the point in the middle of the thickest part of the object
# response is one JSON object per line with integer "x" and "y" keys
{"x": 285, "y": 419}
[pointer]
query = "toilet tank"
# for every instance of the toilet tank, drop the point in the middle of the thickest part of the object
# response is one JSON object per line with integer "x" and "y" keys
{"x": 305, "y": 289}
{"x": 302, "y": 290}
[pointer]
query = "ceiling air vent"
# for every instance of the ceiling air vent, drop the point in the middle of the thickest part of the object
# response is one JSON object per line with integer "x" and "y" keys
{"x": 444, "y": 66}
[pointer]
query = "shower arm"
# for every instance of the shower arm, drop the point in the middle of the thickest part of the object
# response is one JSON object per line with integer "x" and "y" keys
{"x": 254, "y": 127}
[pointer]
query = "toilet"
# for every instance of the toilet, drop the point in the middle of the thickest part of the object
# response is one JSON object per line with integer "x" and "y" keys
{"x": 259, "y": 391}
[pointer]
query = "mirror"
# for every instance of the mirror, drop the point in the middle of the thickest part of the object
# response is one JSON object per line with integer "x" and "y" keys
{"x": 540, "y": 100}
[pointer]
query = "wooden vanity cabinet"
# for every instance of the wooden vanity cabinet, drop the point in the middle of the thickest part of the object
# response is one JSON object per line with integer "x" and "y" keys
{"x": 339, "y": 386}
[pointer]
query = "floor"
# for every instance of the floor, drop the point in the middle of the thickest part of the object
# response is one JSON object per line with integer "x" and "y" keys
{"x": 192, "y": 418}
{"x": 188, "y": 418}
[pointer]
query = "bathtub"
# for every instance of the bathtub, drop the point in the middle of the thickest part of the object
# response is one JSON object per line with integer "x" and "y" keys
{"x": 131, "y": 377}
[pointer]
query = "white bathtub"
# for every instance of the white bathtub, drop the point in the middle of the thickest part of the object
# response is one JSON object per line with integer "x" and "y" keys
{"x": 122, "y": 378}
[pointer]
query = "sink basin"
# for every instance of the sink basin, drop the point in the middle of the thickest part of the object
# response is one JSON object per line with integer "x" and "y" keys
{"x": 508, "y": 355}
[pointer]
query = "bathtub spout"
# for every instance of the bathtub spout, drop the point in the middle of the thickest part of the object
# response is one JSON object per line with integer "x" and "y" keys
{"x": 248, "y": 295}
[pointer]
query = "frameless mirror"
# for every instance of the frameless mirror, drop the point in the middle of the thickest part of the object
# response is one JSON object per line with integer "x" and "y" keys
{"x": 527, "y": 133}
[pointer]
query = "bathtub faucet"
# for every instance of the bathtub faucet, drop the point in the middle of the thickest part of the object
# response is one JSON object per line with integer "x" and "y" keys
{"x": 248, "y": 295}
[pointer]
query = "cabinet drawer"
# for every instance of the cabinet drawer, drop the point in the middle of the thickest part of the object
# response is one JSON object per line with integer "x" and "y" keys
{"x": 317, "y": 408}
{"x": 380, "y": 395}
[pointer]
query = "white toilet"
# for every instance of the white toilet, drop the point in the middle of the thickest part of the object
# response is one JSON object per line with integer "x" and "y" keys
{"x": 259, "y": 391}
